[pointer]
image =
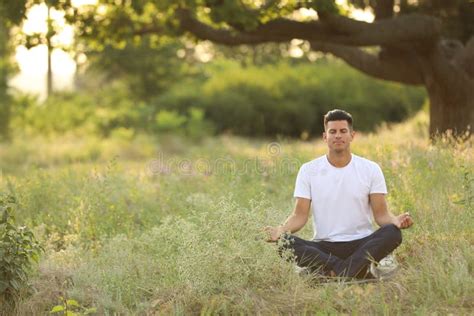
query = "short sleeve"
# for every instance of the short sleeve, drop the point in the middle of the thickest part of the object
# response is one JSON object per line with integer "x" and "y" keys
{"x": 303, "y": 184}
{"x": 377, "y": 183}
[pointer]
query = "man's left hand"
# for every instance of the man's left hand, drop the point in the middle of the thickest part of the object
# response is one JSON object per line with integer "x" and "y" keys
{"x": 403, "y": 220}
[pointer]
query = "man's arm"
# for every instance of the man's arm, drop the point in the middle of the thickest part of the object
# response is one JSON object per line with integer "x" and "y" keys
{"x": 293, "y": 223}
{"x": 383, "y": 216}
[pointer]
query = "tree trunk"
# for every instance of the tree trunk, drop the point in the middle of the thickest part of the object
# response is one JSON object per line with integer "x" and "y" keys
{"x": 49, "y": 76}
{"x": 451, "y": 93}
{"x": 450, "y": 112}
{"x": 4, "y": 72}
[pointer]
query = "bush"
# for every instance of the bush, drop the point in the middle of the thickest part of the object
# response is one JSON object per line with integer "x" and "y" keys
{"x": 169, "y": 120}
{"x": 192, "y": 125}
{"x": 91, "y": 113}
{"x": 281, "y": 99}
{"x": 290, "y": 100}
{"x": 18, "y": 248}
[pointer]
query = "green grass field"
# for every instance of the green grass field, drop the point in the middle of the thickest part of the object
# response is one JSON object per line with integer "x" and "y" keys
{"x": 166, "y": 226}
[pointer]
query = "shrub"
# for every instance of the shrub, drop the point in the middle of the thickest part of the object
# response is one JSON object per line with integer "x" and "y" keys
{"x": 192, "y": 125}
{"x": 290, "y": 100}
{"x": 92, "y": 113}
{"x": 18, "y": 248}
{"x": 271, "y": 100}
{"x": 169, "y": 120}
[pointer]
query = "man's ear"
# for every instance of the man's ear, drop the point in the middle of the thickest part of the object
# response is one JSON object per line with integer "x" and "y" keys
{"x": 324, "y": 136}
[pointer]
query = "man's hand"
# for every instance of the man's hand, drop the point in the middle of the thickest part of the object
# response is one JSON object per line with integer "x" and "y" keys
{"x": 293, "y": 223}
{"x": 403, "y": 220}
{"x": 273, "y": 233}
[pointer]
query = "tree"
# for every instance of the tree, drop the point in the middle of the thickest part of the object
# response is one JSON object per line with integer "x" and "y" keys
{"x": 4, "y": 74}
{"x": 52, "y": 29}
{"x": 426, "y": 42}
{"x": 11, "y": 13}
{"x": 149, "y": 68}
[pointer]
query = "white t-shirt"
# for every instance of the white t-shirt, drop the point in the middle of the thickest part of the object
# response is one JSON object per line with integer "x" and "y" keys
{"x": 340, "y": 196}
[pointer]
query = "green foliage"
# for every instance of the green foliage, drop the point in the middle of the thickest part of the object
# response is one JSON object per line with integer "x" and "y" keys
{"x": 169, "y": 120}
{"x": 18, "y": 249}
{"x": 93, "y": 113}
{"x": 287, "y": 99}
{"x": 192, "y": 125}
{"x": 282, "y": 99}
{"x": 70, "y": 307}
{"x": 148, "y": 66}
{"x": 12, "y": 11}
{"x": 112, "y": 23}
{"x": 6, "y": 70}
{"x": 197, "y": 127}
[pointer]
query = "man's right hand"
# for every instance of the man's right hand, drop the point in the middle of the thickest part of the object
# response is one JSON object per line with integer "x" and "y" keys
{"x": 273, "y": 233}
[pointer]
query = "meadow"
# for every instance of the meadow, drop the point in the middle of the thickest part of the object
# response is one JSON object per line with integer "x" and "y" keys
{"x": 142, "y": 225}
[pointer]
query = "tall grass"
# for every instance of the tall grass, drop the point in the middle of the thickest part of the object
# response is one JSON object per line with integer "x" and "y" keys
{"x": 166, "y": 227}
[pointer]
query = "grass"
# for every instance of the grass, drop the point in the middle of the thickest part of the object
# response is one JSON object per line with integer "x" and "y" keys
{"x": 165, "y": 226}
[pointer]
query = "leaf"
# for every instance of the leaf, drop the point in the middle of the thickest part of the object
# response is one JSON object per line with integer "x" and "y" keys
{"x": 56, "y": 309}
{"x": 15, "y": 285}
{"x": 90, "y": 311}
{"x": 3, "y": 286}
{"x": 4, "y": 215}
{"x": 72, "y": 303}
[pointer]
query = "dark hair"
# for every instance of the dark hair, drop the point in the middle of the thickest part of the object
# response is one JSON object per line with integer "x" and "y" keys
{"x": 337, "y": 115}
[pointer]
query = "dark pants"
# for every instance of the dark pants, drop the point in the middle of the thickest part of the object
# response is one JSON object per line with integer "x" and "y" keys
{"x": 346, "y": 258}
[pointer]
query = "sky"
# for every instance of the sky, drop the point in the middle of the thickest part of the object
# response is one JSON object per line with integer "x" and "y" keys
{"x": 33, "y": 62}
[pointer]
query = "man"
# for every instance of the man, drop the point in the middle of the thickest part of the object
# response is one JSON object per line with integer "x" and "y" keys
{"x": 343, "y": 191}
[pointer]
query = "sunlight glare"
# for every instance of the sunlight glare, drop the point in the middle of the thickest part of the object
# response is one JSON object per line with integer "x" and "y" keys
{"x": 357, "y": 14}
{"x": 33, "y": 62}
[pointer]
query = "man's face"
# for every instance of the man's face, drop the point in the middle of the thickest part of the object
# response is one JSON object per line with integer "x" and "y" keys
{"x": 338, "y": 136}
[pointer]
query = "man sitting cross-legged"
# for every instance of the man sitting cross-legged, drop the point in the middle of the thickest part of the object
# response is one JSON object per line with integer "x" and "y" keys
{"x": 344, "y": 192}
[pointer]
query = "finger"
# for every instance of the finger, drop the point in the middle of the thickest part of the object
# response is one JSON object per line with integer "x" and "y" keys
{"x": 271, "y": 238}
{"x": 406, "y": 218}
{"x": 404, "y": 222}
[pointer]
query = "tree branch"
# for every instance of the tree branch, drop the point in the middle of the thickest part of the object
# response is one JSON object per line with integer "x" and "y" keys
{"x": 150, "y": 29}
{"x": 391, "y": 69}
{"x": 330, "y": 29}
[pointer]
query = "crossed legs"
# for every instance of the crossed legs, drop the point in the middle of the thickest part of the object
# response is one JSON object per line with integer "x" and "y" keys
{"x": 350, "y": 258}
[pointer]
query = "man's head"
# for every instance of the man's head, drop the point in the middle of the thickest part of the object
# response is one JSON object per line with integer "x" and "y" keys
{"x": 338, "y": 132}
{"x": 337, "y": 115}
